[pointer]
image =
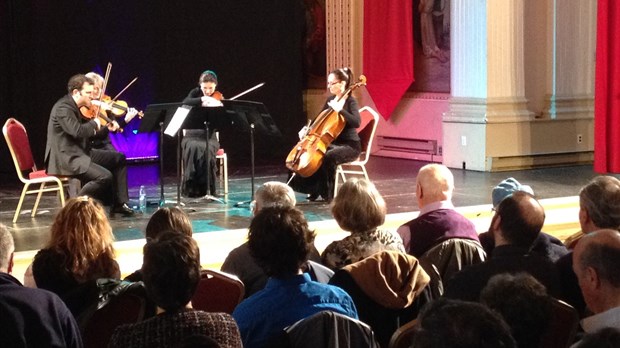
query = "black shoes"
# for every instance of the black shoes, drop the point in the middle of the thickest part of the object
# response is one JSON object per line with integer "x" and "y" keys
{"x": 123, "y": 210}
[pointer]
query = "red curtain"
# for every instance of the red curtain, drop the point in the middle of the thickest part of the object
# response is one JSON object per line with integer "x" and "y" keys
{"x": 388, "y": 51}
{"x": 607, "y": 89}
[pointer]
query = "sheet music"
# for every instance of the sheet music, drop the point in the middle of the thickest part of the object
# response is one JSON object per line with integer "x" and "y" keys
{"x": 177, "y": 120}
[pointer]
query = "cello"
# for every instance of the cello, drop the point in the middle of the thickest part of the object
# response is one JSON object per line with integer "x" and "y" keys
{"x": 307, "y": 156}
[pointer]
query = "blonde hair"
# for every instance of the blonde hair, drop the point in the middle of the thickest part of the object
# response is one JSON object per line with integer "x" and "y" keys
{"x": 81, "y": 231}
{"x": 358, "y": 206}
{"x": 275, "y": 194}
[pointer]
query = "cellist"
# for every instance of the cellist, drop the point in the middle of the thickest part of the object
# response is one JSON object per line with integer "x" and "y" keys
{"x": 345, "y": 148}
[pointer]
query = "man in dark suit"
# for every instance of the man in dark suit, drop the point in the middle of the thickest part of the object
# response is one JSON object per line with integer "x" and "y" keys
{"x": 68, "y": 147}
{"x": 516, "y": 224}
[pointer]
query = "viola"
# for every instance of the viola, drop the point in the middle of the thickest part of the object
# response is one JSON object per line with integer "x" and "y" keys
{"x": 307, "y": 156}
{"x": 116, "y": 107}
{"x": 92, "y": 111}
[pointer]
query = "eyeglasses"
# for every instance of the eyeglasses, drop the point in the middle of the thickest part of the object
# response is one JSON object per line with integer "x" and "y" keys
{"x": 332, "y": 83}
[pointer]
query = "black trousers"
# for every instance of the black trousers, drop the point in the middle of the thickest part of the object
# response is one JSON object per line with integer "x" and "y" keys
{"x": 108, "y": 169}
{"x": 322, "y": 182}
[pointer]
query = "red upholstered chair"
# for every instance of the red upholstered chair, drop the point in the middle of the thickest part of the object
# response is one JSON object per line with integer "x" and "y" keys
{"x": 403, "y": 336}
{"x": 218, "y": 292}
{"x": 27, "y": 172}
{"x": 562, "y": 327}
{"x": 366, "y": 131}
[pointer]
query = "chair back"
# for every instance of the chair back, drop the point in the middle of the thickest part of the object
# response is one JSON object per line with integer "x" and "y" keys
{"x": 19, "y": 146}
{"x": 218, "y": 292}
{"x": 562, "y": 326}
{"x": 449, "y": 257}
{"x": 403, "y": 336}
{"x": 126, "y": 308}
{"x": 327, "y": 329}
{"x": 366, "y": 130}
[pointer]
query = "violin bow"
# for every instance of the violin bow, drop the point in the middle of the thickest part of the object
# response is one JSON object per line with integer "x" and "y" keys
{"x": 247, "y": 91}
{"x": 123, "y": 90}
{"x": 105, "y": 84}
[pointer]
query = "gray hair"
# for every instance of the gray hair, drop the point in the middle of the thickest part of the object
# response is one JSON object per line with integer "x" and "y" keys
{"x": 275, "y": 194}
{"x": 601, "y": 199}
{"x": 7, "y": 247}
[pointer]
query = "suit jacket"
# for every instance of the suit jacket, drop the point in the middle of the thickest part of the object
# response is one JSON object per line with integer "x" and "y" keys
{"x": 68, "y": 135}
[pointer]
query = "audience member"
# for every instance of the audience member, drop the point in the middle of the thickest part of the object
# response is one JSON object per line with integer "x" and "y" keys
{"x": 595, "y": 262}
{"x": 515, "y": 225}
{"x": 241, "y": 263}
{"x": 545, "y": 244}
{"x": 457, "y": 324}
{"x": 79, "y": 252}
{"x": 599, "y": 207}
{"x": 388, "y": 288}
{"x": 438, "y": 221}
{"x": 280, "y": 240}
{"x": 171, "y": 271}
{"x": 523, "y": 303}
{"x": 163, "y": 220}
{"x": 31, "y": 317}
{"x": 359, "y": 208}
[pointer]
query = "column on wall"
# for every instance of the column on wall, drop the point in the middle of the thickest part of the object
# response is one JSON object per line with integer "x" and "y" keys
{"x": 487, "y": 82}
{"x": 571, "y": 62}
{"x": 344, "y": 34}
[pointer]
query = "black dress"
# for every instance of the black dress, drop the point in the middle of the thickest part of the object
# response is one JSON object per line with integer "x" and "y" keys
{"x": 194, "y": 148}
{"x": 345, "y": 148}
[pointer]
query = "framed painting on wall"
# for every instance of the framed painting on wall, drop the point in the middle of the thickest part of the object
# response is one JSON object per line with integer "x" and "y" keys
{"x": 431, "y": 34}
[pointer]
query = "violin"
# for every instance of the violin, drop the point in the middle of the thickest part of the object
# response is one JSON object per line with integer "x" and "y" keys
{"x": 91, "y": 112}
{"x": 307, "y": 156}
{"x": 116, "y": 107}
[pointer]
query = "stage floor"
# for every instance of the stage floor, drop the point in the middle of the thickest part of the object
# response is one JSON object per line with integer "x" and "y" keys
{"x": 395, "y": 179}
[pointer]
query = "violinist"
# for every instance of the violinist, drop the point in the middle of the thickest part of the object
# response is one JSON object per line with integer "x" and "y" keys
{"x": 102, "y": 139}
{"x": 194, "y": 144}
{"x": 68, "y": 151}
{"x": 345, "y": 148}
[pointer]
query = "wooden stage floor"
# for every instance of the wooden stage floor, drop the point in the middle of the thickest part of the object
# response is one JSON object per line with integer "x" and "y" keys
{"x": 219, "y": 227}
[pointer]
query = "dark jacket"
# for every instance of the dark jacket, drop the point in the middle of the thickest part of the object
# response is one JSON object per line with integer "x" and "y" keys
{"x": 68, "y": 136}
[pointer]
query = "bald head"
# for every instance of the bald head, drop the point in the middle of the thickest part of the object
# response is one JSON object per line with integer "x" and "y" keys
{"x": 434, "y": 183}
{"x": 519, "y": 218}
{"x": 595, "y": 263}
{"x": 601, "y": 251}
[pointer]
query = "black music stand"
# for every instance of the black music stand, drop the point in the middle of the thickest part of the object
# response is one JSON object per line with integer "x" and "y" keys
{"x": 250, "y": 117}
{"x": 157, "y": 117}
{"x": 204, "y": 118}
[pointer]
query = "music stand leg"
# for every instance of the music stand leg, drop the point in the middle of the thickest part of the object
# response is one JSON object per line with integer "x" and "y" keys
{"x": 248, "y": 203}
{"x": 162, "y": 200}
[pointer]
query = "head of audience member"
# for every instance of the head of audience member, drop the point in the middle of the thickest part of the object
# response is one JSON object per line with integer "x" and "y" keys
{"x": 171, "y": 270}
{"x": 168, "y": 219}
{"x": 7, "y": 247}
{"x": 273, "y": 194}
{"x": 595, "y": 262}
{"x": 434, "y": 183}
{"x": 524, "y": 304}
{"x": 280, "y": 240}
{"x": 81, "y": 231}
{"x": 446, "y": 323}
{"x": 599, "y": 204}
{"x": 518, "y": 220}
{"x": 608, "y": 337}
{"x": 358, "y": 206}
{"x": 506, "y": 188}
